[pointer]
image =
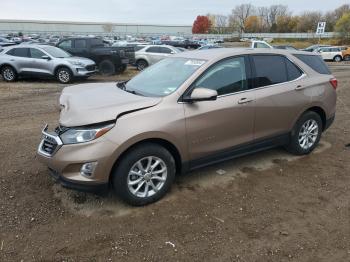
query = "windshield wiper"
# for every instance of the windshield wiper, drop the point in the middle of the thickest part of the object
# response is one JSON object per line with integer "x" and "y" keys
{"x": 122, "y": 86}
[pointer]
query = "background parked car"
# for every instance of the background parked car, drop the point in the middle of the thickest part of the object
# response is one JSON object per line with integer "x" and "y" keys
{"x": 151, "y": 54}
{"x": 43, "y": 61}
{"x": 285, "y": 47}
{"x": 331, "y": 53}
{"x": 6, "y": 42}
{"x": 346, "y": 54}
{"x": 110, "y": 60}
{"x": 313, "y": 48}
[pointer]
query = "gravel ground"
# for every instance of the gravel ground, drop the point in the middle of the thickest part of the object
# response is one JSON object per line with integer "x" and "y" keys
{"x": 269, "y": 206}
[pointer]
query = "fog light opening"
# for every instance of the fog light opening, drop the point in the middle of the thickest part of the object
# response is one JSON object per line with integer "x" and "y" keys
{"x": 88, "y": 169}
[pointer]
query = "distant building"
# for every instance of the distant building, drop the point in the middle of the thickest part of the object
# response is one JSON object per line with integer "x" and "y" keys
{"x": 57, "y": 27}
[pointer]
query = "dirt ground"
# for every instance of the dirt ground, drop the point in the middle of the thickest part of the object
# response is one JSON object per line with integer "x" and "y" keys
{"x": 269, "y": 206}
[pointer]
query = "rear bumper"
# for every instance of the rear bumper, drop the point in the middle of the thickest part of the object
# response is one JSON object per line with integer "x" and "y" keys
{"x": 329, "y": 122}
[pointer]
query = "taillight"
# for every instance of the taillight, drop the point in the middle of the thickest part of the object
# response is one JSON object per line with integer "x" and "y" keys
{"x": 334, "y": 83}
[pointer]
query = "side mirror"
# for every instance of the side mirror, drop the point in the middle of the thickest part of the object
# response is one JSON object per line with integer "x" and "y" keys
{"x": 202, "y": 94}
{"x": 46, "y": 57}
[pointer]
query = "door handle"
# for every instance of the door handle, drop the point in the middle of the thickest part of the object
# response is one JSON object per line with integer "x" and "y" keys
{"x": 299, "y": 87}
{"x": 245, "y": 100}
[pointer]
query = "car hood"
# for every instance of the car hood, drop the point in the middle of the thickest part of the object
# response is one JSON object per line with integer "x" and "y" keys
{"x": 85, "y": 61}
{"x": 87, "y": 104}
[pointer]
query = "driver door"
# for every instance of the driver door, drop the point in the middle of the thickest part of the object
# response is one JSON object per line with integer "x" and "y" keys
{"x": 216, "y": 127}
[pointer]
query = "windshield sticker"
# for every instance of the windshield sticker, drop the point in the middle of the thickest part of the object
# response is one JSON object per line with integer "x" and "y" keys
{"x": 195, "y": 62}
{"x": 169, "y": 90}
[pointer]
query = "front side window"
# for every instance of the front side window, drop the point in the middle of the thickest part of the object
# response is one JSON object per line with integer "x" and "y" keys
{"x": 164, "y": 77}
{"x": 35, "y": 53}
{"x": 269, "y": 70}
{"x": 56, "y": 52}
{"x": 65, "y": 44}
{"x": 226, "y": 77}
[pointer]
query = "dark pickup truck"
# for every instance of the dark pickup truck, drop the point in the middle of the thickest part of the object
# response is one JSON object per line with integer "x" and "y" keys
{"x": 184, "y": 44}
{"x": 110, "y": 60}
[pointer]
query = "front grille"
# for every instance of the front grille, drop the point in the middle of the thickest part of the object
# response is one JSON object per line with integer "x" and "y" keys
{"x": 90, "y": 68}
{"x": 49, "y": 145}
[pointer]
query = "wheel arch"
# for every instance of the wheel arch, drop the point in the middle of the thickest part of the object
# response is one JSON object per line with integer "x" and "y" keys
{"x": 7, "y": 64}
{"x": 173, "y": 150}
{"x": 318, "y": 110}
{"x": 62, "y": 66}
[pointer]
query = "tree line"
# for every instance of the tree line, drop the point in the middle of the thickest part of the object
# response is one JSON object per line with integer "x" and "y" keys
{"x": 247, "y": 18}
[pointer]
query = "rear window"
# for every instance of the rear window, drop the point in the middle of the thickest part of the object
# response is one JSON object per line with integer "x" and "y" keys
{"x": 315, "y": 62}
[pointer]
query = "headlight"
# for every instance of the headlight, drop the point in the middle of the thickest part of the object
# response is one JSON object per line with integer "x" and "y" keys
{"x": 84, "y": 134}
{"x": 76, "y": 63}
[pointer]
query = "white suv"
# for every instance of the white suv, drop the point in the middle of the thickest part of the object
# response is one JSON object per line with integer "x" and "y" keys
{"x": 331, "y": 53}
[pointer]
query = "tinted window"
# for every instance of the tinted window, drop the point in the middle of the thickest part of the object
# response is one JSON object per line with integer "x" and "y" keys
{"x": 66, "y": 44}
{"x": 164, "y": 50}
{"x": 21, "y": 52}
{"x": 260, "y": 45}
{"x": 96, "y": 42}
{"x": 225, "y": 77}
{"x": 315, "y": 62}
{"x": 153, "y": 49}
{"x": 292, "y": 70}
{"x": 81, "y": 43}
{"x": 35, "y": 53}
{"x": 270, "y": 69}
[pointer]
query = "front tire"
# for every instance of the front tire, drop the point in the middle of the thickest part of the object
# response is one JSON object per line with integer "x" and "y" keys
{"x": 144, "y": 175}
{"x": 337, "y": 58}
{"x": 9, "y": 74}
{"x": 106, "y": 68}
{"x": 64, "y": 75}
{"x": 306, "y": 134}
{"x": 141, "y": 64}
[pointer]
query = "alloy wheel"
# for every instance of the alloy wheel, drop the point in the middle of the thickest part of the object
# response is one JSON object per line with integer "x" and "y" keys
{"x": 147, "y": 176}
{"x": 8, "y": 74}
{"x": 64, "y": 76}
{"x": 308, "y": 134}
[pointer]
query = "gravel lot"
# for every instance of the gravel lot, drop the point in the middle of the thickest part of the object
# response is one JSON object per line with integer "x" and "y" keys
{"x": 269, "y": 206}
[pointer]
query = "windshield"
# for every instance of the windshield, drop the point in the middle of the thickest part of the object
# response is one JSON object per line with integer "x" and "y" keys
{"x": 56, "y": 52}
{"x": 164, "y": 77}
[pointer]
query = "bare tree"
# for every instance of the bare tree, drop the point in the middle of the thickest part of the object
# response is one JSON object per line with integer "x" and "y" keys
{"x": 276, "y": 11}
{"x": 221, "y": 23}
{"x": 108, "y": 28}
{"x": 263, "y": 12}
{"x": 241, "y": 13}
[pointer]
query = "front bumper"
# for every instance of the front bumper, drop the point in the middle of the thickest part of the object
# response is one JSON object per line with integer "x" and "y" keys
{"x": 65, "y": 161}
{"x": 85, "y": 71}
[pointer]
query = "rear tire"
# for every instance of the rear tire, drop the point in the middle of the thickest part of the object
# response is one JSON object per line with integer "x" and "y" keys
{"x": 9, "y": 74}
{"x": 306, "y": 134}
{"x": 106, "y": 67}
{"x": 64, "y": 75}
{"x": 337, "y": 58}
{"x": 141, "y": 64}
{"x": 144, "y": 175}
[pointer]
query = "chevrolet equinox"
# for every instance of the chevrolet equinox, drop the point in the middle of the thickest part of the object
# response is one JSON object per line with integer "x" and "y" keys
{"x": 187, "y": 111}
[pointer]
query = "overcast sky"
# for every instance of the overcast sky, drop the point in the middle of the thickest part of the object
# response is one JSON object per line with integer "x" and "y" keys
{"x": 181, "y": 12}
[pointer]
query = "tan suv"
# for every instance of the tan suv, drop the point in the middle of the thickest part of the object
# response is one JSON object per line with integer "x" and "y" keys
{"x": 188, "y": 111}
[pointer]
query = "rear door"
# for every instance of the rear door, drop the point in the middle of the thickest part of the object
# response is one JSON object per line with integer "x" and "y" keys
{"x": 154, "y": 54}
{"x": 218, "y": 126}
{"x": 278, "y": 99}
{"x": 81, "y": 48}
{"x": 21, "y": 60}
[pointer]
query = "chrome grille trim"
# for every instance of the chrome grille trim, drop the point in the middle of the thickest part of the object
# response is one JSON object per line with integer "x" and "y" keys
{"x": 50, "y": 143}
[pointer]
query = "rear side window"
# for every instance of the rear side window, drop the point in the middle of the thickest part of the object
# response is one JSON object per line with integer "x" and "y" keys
{"x": 293, "y": 71}
{"x": 269, "y": 69}
{"x": 20, "y": 52}
{"x": 315, "y": 62}
{"x": 153, "y": 49}
{"x": 81, "y": 43}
